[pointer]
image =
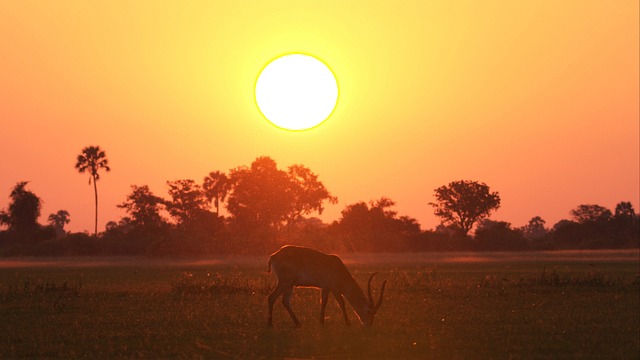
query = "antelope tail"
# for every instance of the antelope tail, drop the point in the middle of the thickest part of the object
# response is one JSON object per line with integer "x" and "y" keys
{"x": 269, "y": 266}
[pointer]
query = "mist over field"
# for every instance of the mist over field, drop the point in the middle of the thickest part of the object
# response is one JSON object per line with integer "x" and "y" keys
{"x": 350, "y": 259}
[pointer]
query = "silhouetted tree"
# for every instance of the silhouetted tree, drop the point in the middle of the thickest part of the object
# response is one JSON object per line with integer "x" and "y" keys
{"x": 498, "y": 236}
{"x": 375, "y": 227}
{"x": 464, "y": 202}
{"x": 122, "y": 226}
{"x": 91, "y": 160}
{"x": 144, "y": 207}
{"x": 595, "y": 228}
{"x": 264, "y": 196}
{"x": 111, "y": 226}
{"x": 590, "y": 213}
{"x": 626, "y": 225}
{"x": 24, "y": 209}
{"x": 567, "y": 234}
{"x": 58, "y": 221}
{"x": 264, "y": 200}
{"x": 356, "y": 227}
{"x": 535, "y": 229}
{"x": 259, "y": 195}
{"x": 624, "y": 209}
{"x": 215, "y": 187}
{"x": 444, "y": 238}
{"x": 308, "y": 194}
{"x": 188, "y": 202}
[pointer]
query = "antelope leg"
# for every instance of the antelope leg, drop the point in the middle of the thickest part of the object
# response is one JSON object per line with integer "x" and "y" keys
{"x": 323, "y": 305}
{"x": 340, "y": 301}
{"x": 286, "y": 301}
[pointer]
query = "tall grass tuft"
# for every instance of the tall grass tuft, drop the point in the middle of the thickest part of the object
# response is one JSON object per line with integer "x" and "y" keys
{"x": 43, "y": 293}
{"x": 219, "y": 283}
{"x": 591, "y": 278}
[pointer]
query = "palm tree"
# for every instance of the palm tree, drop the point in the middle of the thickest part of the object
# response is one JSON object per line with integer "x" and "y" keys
{"x": 215, "y": 188}
{"x": 91, "y": 160}
{"x": 58, "y": 221}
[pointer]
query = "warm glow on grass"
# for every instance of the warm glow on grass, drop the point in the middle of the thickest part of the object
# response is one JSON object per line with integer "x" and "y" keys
{"x": 296, "y": 92}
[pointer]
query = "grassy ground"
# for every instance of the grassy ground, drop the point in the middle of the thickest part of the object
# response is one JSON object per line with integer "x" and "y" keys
{"x": 438, "y": 310}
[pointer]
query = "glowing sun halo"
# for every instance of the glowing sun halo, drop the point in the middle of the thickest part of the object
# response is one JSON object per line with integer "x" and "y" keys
{"x": 296, "y": 92}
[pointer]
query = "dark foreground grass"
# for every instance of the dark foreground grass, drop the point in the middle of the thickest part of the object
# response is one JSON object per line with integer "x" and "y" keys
{"x": 445, "y": 310}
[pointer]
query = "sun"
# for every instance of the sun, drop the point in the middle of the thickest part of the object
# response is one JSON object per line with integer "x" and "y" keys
{"x": 296, "y": 92}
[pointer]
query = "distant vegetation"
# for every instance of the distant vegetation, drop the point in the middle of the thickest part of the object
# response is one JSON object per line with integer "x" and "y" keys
{"x": 268, "y": 207}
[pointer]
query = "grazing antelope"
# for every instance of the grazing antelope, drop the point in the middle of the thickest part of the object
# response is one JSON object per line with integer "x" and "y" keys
{"x": 299, "y": 266}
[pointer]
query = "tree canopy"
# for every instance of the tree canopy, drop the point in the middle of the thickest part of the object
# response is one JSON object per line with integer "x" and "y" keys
{"x": 215, "y": 187}
{"x": 188, "y": 202}
{"x": 24, "y": 209}
{"x": 375, "y": 227}
{"x": 463, "y": 203}
{"x": 143, "y": 207}
{"x": 266, "y": 196}
{"x": 590, "y": 213}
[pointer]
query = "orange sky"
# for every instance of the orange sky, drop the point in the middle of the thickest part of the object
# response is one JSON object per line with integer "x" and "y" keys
{"x": 539, "y": 99}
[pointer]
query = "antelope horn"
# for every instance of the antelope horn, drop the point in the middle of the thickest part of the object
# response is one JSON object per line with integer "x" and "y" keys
{"x": 381, "y": 294}
{"x": 369, "y": 289}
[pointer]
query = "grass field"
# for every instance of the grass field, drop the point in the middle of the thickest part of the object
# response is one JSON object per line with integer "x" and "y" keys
{"x": 545, "y": 306}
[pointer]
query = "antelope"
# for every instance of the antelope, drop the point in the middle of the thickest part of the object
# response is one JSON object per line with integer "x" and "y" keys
{"x": 302, "y": 267}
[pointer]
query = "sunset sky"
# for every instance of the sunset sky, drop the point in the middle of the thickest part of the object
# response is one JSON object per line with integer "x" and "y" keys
{"x": 538, "y": 99}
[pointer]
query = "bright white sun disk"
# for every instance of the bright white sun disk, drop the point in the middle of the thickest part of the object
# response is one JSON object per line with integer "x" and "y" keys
{"x": 296, "y": 92}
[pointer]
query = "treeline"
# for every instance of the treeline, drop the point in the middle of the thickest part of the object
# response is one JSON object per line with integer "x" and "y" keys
{"x": 268, "y": 207}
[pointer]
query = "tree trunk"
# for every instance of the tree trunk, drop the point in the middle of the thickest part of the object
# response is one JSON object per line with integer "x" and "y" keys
{"x": 95, "y": 189}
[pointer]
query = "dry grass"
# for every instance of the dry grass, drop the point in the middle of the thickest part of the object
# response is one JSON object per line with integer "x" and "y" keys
{"x": 442, "y": 310}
